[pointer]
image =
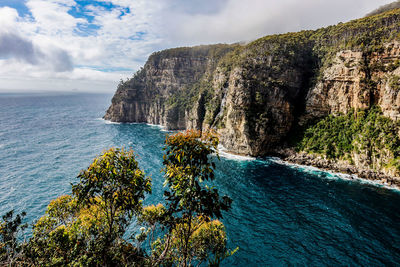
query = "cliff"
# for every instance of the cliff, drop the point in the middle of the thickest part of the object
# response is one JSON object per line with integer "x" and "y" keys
{"x": 161, "y": 91}
{"x": 272, "y": 93}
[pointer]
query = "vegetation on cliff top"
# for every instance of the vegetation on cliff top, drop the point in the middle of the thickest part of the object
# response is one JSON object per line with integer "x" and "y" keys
{"x": 316, "y": 47}
{"x": 212, "y": 52}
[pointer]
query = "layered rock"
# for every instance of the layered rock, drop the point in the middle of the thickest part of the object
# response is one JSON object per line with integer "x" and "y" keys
{"x": 149, "y": 95}
{"x": 255, "y": 103}
{"x": 344, "y": 85}
{"x": 257, "y": 96}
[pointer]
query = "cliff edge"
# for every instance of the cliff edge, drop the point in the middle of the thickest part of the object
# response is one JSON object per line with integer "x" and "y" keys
{"x": 292, "y": 90}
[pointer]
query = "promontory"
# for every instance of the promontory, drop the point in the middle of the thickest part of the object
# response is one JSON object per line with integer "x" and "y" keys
{"x": 330, "y": 95}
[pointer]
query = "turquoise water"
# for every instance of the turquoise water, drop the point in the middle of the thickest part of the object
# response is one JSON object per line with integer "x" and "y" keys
{"x": 281, "y": 215}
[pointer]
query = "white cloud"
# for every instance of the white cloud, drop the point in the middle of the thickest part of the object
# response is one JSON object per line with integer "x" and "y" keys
{"x": 51, "y": 18}
{"x": 8, "y": 18}
{"x": 57, "y": 53}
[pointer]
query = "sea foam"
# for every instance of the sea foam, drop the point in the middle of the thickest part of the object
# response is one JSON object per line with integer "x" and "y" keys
{"x": 331, "y": 175}
{"x": 223, "y": 152}
{"x": 161, "y": 127}
{"x": 107, "y": 121}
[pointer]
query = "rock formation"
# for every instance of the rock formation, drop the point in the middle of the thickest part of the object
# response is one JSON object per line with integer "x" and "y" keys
{"x": 258, "y": 96}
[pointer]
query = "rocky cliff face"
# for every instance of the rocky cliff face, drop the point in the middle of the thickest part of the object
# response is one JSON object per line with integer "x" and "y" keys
{"x": 358, "y": 80}
{"x": 153, "y": 94}
{"x": 257, "y": 96}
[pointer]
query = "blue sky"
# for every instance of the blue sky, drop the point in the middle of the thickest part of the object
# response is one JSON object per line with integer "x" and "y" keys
{"x": 90, "y": 45}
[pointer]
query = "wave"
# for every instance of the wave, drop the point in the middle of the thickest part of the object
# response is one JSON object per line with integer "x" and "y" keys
{"x": 162, "y": 128}
{"x": 223, "y": 152}
{"x": 107, "y": 121}
{"x": 332, "y": 175}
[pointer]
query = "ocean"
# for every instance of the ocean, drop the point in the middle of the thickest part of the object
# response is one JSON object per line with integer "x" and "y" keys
{"x": 281, "y": 214}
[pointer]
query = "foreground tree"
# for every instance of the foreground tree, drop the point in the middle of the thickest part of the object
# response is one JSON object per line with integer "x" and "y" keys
{"x": 207, "y": 243}
{"x": 116, "y": 185}
{"x": 11, "y": 249}
{"x": 191, "y": 203}
{"x": 88, "y": 228}
{"x": 74, "y": 235}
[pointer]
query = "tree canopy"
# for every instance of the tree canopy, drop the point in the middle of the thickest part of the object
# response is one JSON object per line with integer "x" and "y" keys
{"x": 89, "y": 227}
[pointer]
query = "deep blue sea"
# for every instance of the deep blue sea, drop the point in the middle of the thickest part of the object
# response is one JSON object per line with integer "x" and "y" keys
{"x": 281, "y": 215}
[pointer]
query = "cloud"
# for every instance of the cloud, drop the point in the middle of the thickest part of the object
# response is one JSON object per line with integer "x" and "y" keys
{"x": 60, "y": 60}
{"x": 77, "y": 43}
{"x": 196, "y": 7}
{"x": 14, "y": 46}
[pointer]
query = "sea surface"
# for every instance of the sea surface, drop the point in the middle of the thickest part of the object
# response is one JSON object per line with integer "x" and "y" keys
{"x": 281, "y": 215}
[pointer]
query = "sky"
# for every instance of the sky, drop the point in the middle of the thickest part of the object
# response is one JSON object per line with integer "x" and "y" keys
{"x": 88, "y": 46}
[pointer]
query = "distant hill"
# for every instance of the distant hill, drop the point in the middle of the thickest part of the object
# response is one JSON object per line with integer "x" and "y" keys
{"x": 384, "y": 8}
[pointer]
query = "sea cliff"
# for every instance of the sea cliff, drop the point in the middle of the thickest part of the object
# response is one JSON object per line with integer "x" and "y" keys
{"x": 332, "y": 93}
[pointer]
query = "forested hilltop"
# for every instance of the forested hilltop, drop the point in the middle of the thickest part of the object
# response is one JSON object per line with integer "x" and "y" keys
{"x": 332, "y": 93}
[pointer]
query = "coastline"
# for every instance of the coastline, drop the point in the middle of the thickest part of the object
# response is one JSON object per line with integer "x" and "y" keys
{"x": 290, "y": 157}
{"x": 342, "y": 169}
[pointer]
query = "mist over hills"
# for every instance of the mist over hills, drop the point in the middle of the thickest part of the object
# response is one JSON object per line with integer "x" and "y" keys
{"x": 384, "y": 8}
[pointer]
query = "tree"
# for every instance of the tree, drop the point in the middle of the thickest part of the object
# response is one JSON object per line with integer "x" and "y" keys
{"x": 190, "y": 201}
{"x": 115, "y": 183}
{"x": 88, "y": 227}
{"x": 10, "y": 229}
{"x": 207, "y": 243}
{"x": 70, "y": 234}
{"x": 59, "y": 237}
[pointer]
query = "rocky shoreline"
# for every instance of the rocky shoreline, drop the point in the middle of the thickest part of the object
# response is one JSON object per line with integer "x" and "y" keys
{"x": 302, "y": 158}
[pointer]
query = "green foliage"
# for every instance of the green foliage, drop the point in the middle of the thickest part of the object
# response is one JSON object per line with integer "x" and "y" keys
{"x": 191, "y": 235}
{"x": 116, "y": 185}
{"x": 202, "y": 51}
{"x": 10, "y": 247}
{"x": 366, "y": 131}
{"x": 187, "y": 165}
{"x": 206, "y": 244}
{"x": 89, "y": 227}
{"x": 59, "y": 237}
{"x": 184, "y": 99}
{"x": 75, "y": 235}
{"x": 183, "y": 232}
{"x": 332, "y": 136}
{"x": 392, "y": 66}
{"x": 114, "y": 182}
